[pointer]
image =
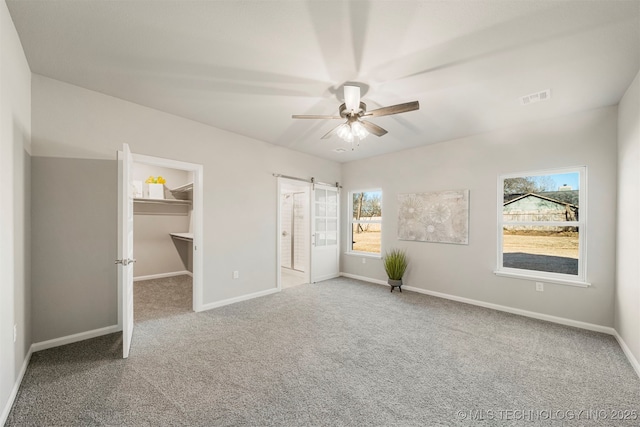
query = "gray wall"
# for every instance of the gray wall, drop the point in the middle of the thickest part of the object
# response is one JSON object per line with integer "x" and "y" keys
{"x": 628, "y": 268}
{"x": 73, "y": 246}
{"x": 475, "y": 163}
{"x": 72, "y": 122}
{"x": 155, "y": 251}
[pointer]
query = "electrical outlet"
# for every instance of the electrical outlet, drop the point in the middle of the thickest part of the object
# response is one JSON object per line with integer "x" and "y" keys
{"x": 15, "y": 333}
{"x": 539, "y": 286}
{"x": 236, "y": 274}
{"x": 364, "y": 260}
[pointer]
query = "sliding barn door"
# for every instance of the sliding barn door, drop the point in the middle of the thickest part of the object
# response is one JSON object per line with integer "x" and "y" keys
{"x": 325, "y": 251}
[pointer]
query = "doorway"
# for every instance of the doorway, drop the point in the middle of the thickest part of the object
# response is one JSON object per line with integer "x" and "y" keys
{"x": 194, "y": 191}
{"x": 127, "y": 201}
{"x": 317, "y": 233}
{"x": 162, "y": 241}
{"x": 294, "y": 231}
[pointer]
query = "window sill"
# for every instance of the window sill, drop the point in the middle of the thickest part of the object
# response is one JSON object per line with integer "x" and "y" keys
{"x": 364, "y": 255}
{"x": 544, "y": 279}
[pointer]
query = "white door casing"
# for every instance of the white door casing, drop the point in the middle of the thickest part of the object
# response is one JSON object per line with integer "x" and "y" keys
{"x": 125, "y": 259}
{"x": 325, "y": 249}
{"x": 286, "y": 221}
{"x": 300, "y": 230}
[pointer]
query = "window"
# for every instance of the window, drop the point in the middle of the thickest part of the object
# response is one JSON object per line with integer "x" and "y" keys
{"x": 542, "y": 227}
{"x": 366, "y": 221}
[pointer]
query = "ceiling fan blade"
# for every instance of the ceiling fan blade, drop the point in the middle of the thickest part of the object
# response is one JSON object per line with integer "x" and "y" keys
{"x": 331, "y": 132}
{"x": 373, "y": 128}
{"x": 314, "y": 116}
{"x": 352, "y": 98}
{"x": 394, "y": 109}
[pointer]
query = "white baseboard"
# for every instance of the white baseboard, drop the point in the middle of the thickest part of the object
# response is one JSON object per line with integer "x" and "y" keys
{"x": 518, "y": 311}
{"x": 163, "y": 275}
{"x": 526, "y": 313}
{"x": 56, "y": 342}
{"x": 238, "y": 299}
{"x": 364, "y": 279}
{"x": 627, "y": 352}
{"x": 16, "y": 387}
{"x": 326, "y": 277}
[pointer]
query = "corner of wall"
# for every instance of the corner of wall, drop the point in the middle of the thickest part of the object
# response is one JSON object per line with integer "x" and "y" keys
{"x": 627, "y": 281}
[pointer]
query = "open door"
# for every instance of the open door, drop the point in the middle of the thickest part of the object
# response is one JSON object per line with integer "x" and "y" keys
{"x": 125, "y": 246}
{"x": 325, "y": 251}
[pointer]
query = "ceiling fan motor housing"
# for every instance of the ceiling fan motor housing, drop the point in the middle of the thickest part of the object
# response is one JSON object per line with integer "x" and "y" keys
{"x": 346, "y": 114}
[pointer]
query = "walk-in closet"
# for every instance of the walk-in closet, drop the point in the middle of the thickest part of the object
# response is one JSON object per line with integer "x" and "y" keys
{"x": 163, "y": 241}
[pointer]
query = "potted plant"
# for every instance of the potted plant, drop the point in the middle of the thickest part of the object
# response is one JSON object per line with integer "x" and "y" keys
{"x": 395, "y": 264}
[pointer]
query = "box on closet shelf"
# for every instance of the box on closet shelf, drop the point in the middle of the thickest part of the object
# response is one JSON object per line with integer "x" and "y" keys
{"x": 156, "y": 191}
{"x": 155, "y": 187}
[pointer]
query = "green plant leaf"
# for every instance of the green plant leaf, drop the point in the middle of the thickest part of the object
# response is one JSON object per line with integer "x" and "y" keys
{"x": 395, "y": 263}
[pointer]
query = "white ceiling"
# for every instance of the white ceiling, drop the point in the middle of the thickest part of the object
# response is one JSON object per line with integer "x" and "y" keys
{"x": 247, "y": 65}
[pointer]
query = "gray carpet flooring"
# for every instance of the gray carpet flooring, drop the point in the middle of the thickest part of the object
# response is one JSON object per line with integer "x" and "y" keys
{"x": 336, "y": 353}
{"x": 160, "y": 298}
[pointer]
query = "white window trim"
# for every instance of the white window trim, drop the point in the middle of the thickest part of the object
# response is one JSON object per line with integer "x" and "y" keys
{"x": 351, "y": 221}
{"x": 548, "y": 277}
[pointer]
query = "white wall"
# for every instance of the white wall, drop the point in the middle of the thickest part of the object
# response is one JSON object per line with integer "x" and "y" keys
{"x": 239, "y": 190}
{"x": 474, "y": 163}
{"x": 15, "y": 130}
{"x": 628, "y": 246}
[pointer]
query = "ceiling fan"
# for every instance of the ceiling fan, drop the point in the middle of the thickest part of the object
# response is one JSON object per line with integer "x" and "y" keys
{"x": 353, "y": 110}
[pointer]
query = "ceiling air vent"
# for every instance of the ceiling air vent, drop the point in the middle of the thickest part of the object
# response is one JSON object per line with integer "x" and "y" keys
{"x": 545, "y": 95}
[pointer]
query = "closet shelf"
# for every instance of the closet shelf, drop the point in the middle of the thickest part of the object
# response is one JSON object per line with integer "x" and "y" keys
{"x": 163, "y": 201}
{"x": 183, "y": 188}
{"x": 182, "y": 236}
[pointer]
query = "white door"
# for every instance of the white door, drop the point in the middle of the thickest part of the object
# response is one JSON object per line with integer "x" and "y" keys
{"x": 325, "y": 252}
{"x": 125, "y": 246}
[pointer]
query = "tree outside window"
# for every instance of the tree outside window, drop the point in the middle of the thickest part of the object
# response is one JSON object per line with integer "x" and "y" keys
{"x": 542, "y": 224}
{"x": 366, "y": 221}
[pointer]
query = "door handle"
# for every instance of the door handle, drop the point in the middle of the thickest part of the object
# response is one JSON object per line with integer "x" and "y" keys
{"x": 125, "y": 262}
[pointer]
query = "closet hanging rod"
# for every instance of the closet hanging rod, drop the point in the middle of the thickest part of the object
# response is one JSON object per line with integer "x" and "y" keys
{"x": 312, "y": 180}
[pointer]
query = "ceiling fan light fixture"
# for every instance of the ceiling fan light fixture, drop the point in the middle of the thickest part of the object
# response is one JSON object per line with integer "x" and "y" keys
{"x": 349, "y": 137}
{"x": 358, "y": 130}
{"x": 353, "y": 110}
{"x": 344, "y": 131}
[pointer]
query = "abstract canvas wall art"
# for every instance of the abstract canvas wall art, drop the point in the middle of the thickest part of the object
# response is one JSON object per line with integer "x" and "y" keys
{"x": 437, "y": 216}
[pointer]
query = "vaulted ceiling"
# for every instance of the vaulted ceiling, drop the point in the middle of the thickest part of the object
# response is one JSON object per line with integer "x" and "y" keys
{"x": 247, "y": 65}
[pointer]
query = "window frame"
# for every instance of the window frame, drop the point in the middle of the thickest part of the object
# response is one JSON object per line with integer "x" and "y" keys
{"x": 352, "y": 221}
{"x": 580, "y": 279}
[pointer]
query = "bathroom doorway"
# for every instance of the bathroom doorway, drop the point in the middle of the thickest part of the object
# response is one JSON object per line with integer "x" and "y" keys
{"x": 294, "y": 239}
